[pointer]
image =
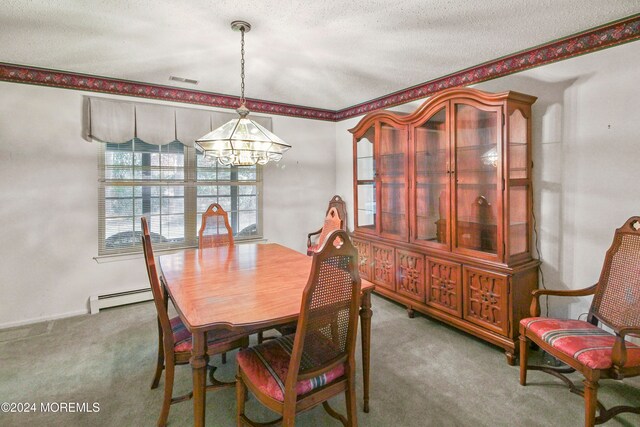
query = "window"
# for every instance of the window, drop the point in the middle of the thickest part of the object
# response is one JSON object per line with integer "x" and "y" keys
{"x": 172, "y": 185}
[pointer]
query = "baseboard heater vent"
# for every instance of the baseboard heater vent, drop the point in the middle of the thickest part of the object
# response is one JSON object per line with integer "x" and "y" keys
{"x": 100, "y": 302}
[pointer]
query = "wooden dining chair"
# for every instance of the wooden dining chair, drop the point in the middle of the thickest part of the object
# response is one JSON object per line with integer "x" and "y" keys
{"x": 214, "y": 228}
{"x": 215, "y": 231}
{"x": 174, "y": 339}
{"x": 582, "y": 345}
{"x": 294, "y": 373}
{"x": 335, "y": 219}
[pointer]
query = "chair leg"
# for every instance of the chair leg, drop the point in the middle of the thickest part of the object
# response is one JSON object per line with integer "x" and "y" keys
{"x": 524, "y": 356}
{"x": 289, "y": 414}
{"x": 160, "y": 361}
{"x": 350, "y": 398}
{"x": 260, "y": 337}
{"x": 224, "y": 358}
{"x": 241, "y": 396}
{"x": 168, "y": 392}
{"x": 590, "y": 402}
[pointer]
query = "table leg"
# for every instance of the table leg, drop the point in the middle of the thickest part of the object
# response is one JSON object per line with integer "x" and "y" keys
{"x": 198, "y": 366}
{"x": 365, "y": 322}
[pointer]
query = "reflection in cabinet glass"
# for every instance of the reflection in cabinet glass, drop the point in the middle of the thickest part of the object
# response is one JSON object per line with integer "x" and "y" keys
{"x": 476, "y": 178}
{"x": 432, "y": 179}
{"x": 366, "y": 171}
{"x": 392, "y": 155}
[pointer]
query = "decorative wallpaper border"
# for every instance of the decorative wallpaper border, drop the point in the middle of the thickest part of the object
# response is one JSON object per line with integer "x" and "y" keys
{"x": 68, "y": 80}
{"x": 612, "y": 34}
{"x": 609, "y": 35}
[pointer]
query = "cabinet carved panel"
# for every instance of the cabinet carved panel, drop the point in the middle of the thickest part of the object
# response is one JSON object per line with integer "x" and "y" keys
{"x": 410, "y": 274}
{"x": 383, "y": 266}
{"x": 486, "y": 299}
{"x": 444, "y": 286}
{"x": 364, "y": 257}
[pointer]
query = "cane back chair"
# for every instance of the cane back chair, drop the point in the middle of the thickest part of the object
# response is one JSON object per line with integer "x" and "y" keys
{"x": 174, "y": 339}
{"x": 215, "y": 231}
{"x": 335, "y": 219}
{"x": 296, "y": 372}
{"x": 214, "y": 228}
{"x": 582, "y": 345}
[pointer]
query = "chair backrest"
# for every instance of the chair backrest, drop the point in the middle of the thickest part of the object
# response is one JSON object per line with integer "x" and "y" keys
{"x": 214, "y": 228}
{"x": 332, "y": 222}
{"x": 327, "y": 326}
{"x": 157, "y": 288}
{"x": 617, "y": 299}
{"x": 340, "y": 207}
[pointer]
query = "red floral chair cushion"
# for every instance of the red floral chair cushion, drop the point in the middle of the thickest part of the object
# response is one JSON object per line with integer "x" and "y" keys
{"x": 182, "y": 336}
{"x": 266, "y": 366}
{"x": 580, "y": 340}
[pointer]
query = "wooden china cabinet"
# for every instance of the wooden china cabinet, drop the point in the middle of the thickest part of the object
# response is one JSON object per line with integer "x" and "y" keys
{"x": 443, "y": 210}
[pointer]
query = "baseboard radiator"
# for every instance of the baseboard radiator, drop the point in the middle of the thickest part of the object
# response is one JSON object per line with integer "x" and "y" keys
{"x": 100, "y": 302}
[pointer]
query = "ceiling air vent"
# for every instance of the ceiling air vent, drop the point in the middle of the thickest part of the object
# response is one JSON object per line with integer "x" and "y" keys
{"x": 183, "y": 80}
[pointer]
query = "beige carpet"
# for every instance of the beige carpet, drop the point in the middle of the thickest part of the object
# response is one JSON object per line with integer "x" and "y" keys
{"x": 423, "y": 374}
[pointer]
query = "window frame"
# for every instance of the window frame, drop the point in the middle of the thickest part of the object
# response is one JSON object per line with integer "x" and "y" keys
{"x": 190, "y": 184}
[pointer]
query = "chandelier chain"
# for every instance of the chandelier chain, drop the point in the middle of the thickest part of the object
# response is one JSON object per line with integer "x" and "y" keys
{"x": 242, "y": 100}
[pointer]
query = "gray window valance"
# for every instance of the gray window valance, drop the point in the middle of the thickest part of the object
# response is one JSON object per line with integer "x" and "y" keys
{"x": 108, "y": 120}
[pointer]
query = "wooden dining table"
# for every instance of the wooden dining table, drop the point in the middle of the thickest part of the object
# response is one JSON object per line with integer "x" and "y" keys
{"x": 244, "y": 288}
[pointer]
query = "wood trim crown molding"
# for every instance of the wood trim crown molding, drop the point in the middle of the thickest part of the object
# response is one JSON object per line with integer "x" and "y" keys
{"x": 602, "y": 37}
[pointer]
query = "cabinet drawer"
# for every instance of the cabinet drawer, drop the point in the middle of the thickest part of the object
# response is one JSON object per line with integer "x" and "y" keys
{"x": 383, "y": 267}
{"x": 364, "y": 257}
{"x": 444, "y": 286}
{"x": 486, "y": 297}
{"x": 410, "y": 274}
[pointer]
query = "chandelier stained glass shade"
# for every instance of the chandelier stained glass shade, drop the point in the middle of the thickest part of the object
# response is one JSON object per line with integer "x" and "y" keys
{"x": 242, "y": 141}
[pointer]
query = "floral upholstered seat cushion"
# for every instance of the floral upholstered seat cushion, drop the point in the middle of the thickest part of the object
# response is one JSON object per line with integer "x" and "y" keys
{"x": 182, "y": 336}
{"x": 580, "y": 340}
{"x": 266, "y": 366}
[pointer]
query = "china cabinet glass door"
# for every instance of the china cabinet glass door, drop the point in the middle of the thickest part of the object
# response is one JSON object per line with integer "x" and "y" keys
{"x": 477, "y": 191}
{"x": 366, "y": 181}
{"x": 519, "y": 182}
{"x": 392, "y": 178}
{"x": 432, "y": 168}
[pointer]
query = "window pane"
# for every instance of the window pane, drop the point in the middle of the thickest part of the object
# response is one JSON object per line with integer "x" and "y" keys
{"x": 118, "y": 207}
{"x": 172, "y": 227}
{"x": 247, "y": 189}
{"x": 247, "y": 173}
{"x": 118, "y": 233}
{"x": 149, "y": 170}
{"x": 204, "y": 202}
{"x": 224, "y": 174}
{"x": 225, "y": 202}
{"x": 123, "y": 206}
{"x": 207, "y": 190}
{"x": 247, "y": 224}
{"x": 246, "y": 203}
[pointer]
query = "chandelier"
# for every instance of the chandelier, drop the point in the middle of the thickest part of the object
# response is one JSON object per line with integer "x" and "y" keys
{"x": 242, "y": 141}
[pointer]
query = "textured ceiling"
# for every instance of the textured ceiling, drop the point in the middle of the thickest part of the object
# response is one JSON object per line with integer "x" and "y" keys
{"x": 324, "y": 54}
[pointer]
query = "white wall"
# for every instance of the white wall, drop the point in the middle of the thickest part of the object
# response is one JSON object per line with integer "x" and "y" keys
{"x": 586, "y": 131}
{"x": 49, "y": 204}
